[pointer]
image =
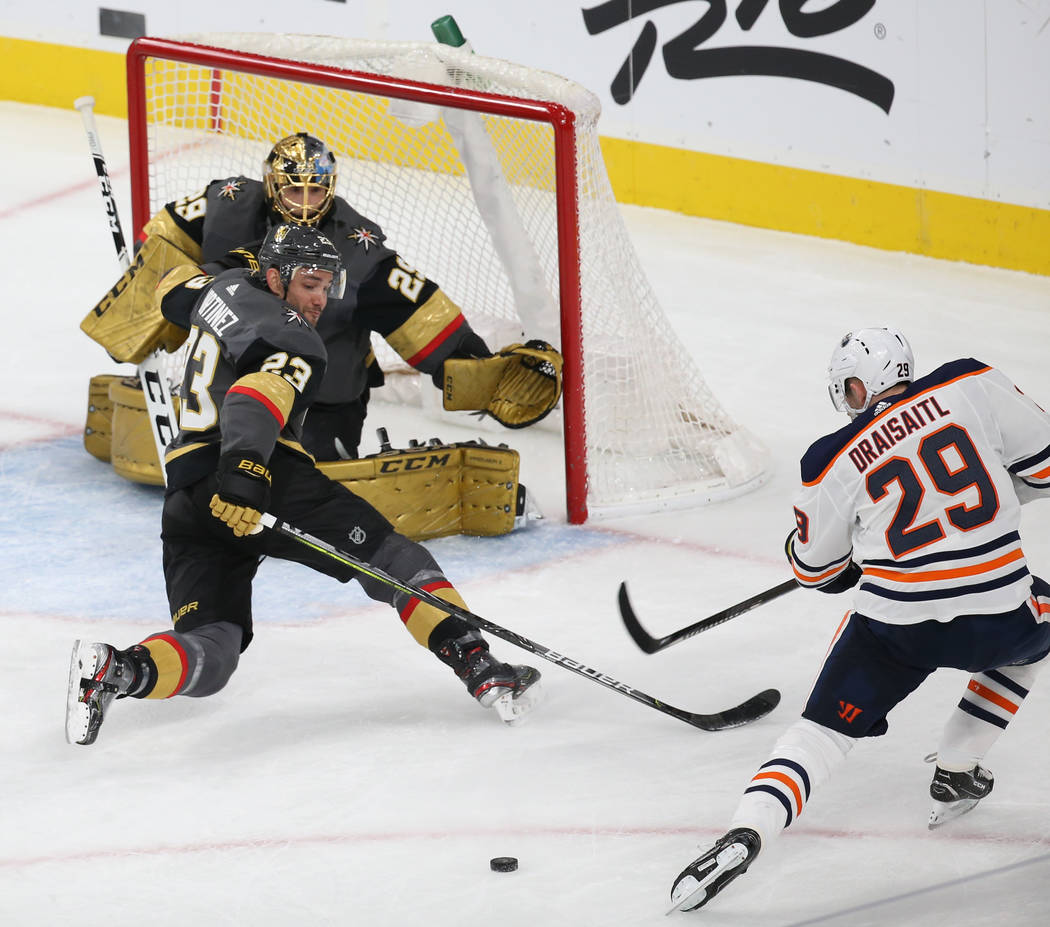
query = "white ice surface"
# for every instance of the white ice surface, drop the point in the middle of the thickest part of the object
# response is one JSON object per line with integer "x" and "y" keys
{"x": 344, "y": 777}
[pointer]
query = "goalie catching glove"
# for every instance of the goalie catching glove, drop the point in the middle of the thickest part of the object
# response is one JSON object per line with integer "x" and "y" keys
{"x": 243, "y": 493}
{"x": 517, "y": 387}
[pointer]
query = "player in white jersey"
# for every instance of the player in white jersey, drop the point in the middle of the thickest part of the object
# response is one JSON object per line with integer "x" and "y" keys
{"x": 916, "y": 503}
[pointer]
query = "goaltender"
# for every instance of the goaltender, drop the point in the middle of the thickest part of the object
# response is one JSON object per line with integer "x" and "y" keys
{"x": 220, "y": 227}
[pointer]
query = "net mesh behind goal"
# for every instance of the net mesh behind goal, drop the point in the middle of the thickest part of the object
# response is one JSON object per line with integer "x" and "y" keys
{"x": 528, "y": 242}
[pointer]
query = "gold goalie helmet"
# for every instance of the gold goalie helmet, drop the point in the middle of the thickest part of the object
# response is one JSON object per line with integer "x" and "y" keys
{"x": 299, "y": 177}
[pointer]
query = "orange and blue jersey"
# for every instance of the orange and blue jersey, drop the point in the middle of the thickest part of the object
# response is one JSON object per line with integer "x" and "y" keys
{"x": 924, "y": 492}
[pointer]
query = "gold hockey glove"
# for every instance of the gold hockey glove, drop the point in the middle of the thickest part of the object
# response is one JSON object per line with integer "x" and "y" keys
{"x": 243, "y": 493}
{"x": 517, "y": 387}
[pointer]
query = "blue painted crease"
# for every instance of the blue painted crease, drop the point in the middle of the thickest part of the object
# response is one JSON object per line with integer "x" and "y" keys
{"x": 81, "y": 541}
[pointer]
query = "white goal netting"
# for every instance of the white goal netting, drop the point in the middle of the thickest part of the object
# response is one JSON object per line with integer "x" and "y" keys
{"x": 470, "y": 198}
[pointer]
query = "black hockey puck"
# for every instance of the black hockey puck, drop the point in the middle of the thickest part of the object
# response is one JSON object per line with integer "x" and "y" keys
{"x": 503, "y": 864}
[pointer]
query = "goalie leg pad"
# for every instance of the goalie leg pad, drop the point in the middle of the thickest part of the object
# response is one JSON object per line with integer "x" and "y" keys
{"x": 488, "y": 490}
{"x": 437, "y": 490}
{"x": 98, "y": 428}
{"x": 132, "y": 449}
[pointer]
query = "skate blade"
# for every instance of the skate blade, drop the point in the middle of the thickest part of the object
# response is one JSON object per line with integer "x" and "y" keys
{"x": 731, "y": 857}
{"x": 685, "y": 903}
{"x": 943, "y": 812}
{"x": 514, "y": 711}
{"x": 77, "y": 713}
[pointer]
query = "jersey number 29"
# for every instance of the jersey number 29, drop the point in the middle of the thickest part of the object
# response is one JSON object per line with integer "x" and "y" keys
{"x": 965, "y": 471}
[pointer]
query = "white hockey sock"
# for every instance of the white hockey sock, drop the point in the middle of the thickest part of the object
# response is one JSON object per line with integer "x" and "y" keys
{"x": 989, "y": 703}
{"x": 802, "y": 759}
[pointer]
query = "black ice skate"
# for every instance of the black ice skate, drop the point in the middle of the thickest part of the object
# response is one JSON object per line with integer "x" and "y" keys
{"x": 511, "y": 690}
{"x": 955, "y": 793}
{"x": 98, "y": 673}
{"x": 706, "y": 876}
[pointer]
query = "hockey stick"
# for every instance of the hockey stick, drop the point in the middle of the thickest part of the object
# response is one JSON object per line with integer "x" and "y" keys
{"x": 754, "y": 708}
{"x": 155, "y": 388}
{"x": 651, "y": 644}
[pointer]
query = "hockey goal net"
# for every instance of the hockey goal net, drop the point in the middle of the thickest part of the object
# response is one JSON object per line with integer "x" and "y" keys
{"x": 489, "y": 178}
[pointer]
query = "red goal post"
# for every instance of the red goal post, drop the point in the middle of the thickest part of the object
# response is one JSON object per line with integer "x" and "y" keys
{"x": 652, "y": 435}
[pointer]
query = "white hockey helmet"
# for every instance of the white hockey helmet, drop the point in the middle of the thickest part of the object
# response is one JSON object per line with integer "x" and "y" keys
{"x": 878, "y": 357}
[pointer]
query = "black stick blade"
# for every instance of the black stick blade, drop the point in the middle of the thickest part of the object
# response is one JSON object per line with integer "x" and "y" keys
{"x": 639, "y": 635}
{"x": 651, "y": 644}
{"x": 758, "y": 706}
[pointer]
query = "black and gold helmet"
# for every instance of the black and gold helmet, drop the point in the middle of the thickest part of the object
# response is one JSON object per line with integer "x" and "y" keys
{"x": 299, "y": 177}
{"x": 293, "y": 247}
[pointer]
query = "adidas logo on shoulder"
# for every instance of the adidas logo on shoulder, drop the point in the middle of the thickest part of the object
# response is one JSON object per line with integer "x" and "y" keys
{"x": 232, "y": 288}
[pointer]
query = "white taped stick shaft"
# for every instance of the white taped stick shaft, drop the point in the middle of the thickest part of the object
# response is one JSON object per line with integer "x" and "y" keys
{"x": 155, "y": 389}
{"x": 86, "y": 107}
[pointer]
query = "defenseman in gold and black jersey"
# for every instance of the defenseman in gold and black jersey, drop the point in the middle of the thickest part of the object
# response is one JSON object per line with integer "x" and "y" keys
{"x": 256, "y": 365}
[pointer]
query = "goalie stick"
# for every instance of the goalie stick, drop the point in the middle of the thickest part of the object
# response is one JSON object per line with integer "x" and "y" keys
{"x": 754, "y": 708}
{"x": 651, "y": 644}
{"x": 155, "y": 390}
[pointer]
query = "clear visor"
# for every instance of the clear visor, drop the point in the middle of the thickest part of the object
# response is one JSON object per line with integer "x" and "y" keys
{"x": 837, "y": 394}
{"x": 836, "y": 397}
{"x": 336, "y": 288}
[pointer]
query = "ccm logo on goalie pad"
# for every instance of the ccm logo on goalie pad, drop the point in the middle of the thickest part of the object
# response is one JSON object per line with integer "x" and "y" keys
{"x": 119, "y": 286}
{"x": 422, "y": 462}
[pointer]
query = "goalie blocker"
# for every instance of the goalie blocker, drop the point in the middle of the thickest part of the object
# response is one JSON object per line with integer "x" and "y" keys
{"x": 127, "y": 321}
{"x": 428, "y": 491}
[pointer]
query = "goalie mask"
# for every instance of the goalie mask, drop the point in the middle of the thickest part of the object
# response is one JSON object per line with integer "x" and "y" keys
{"x": 296, "y": 247}
{"x": 299, "y": 178}
{"x": 878, "y": 357}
